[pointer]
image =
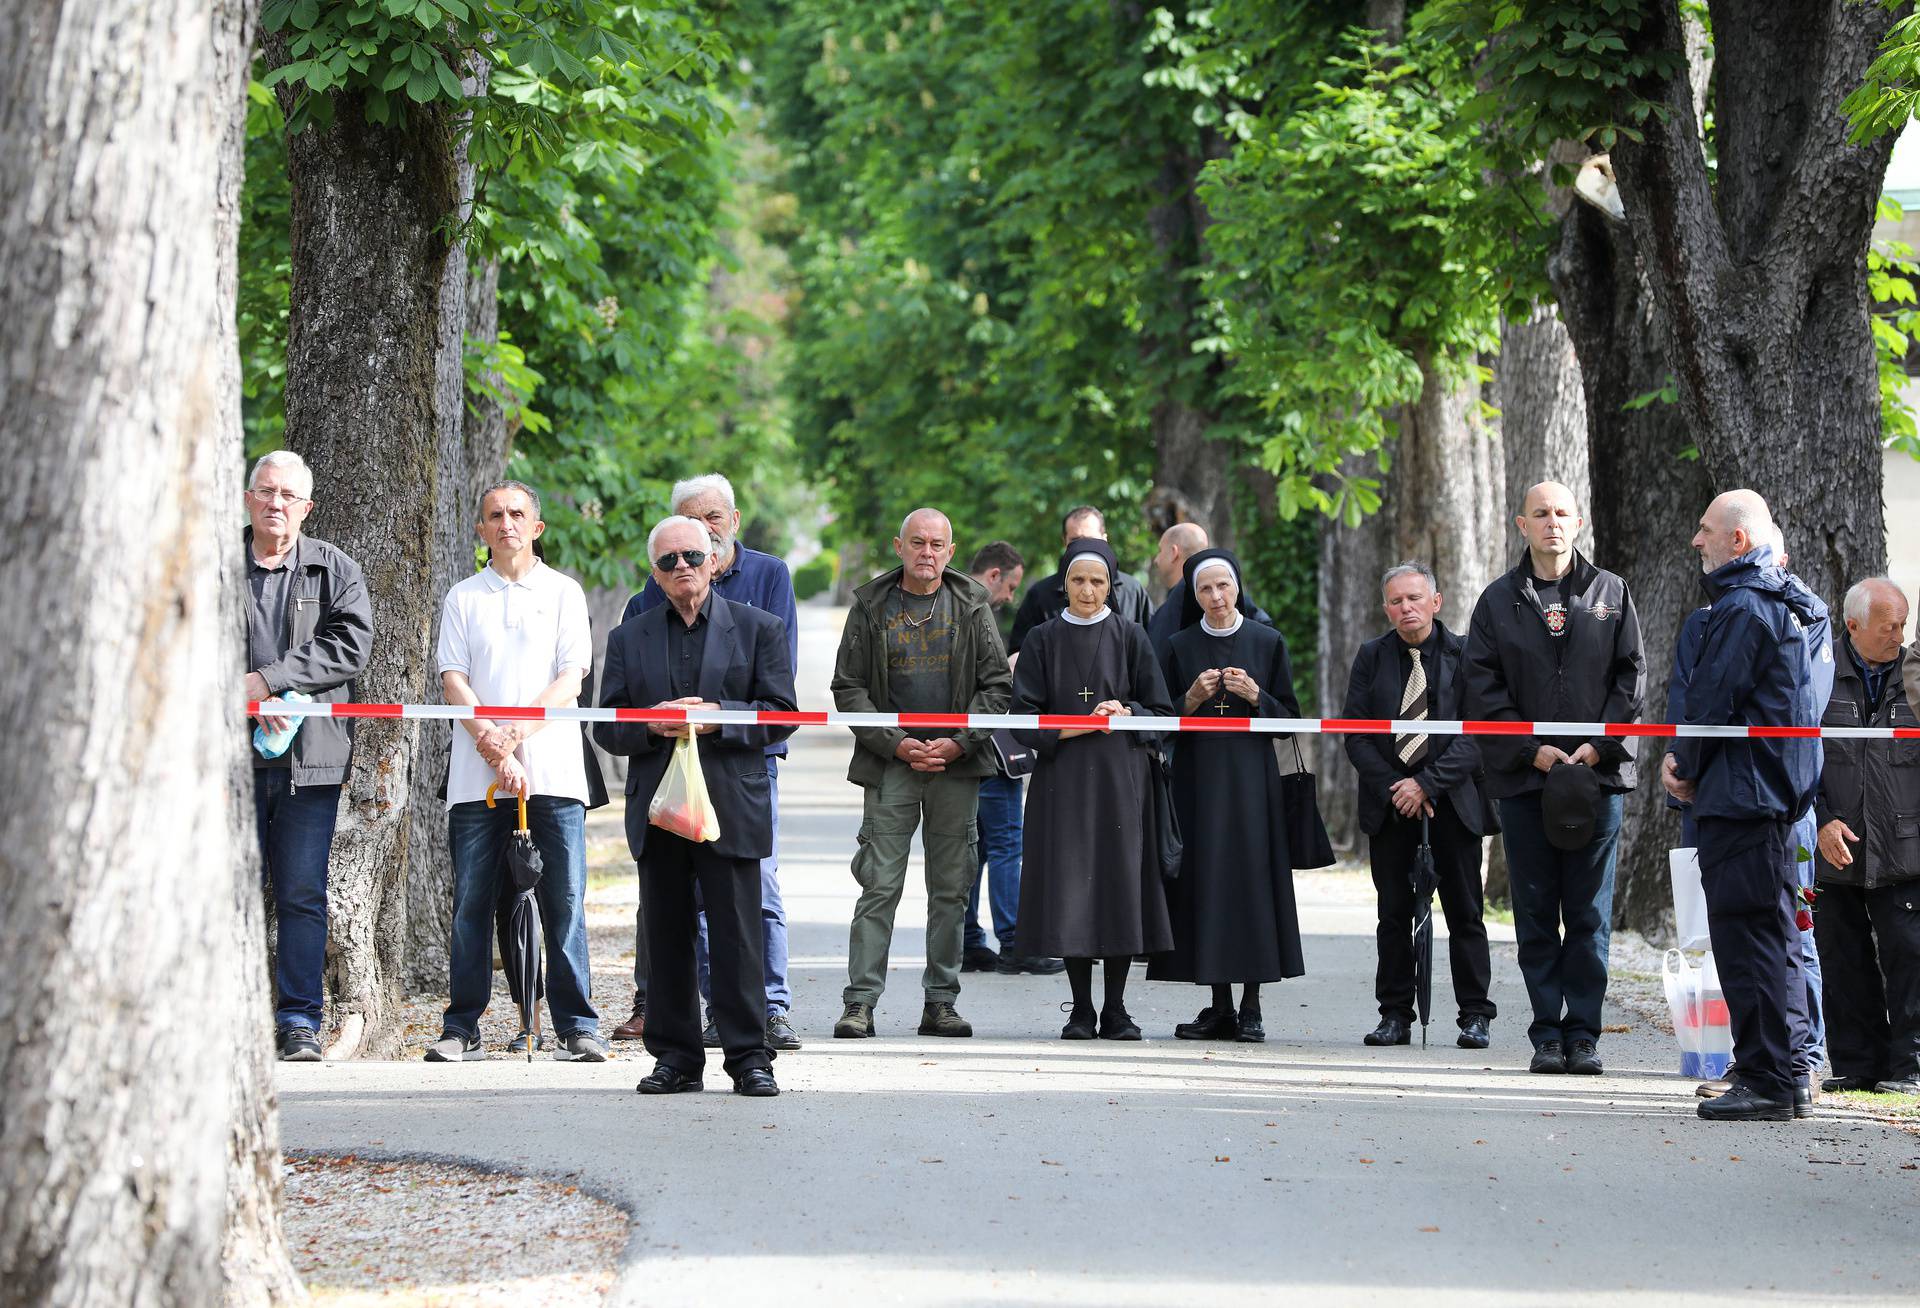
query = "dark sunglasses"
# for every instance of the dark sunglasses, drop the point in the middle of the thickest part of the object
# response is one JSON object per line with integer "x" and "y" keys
{"x": 694, "y": 559}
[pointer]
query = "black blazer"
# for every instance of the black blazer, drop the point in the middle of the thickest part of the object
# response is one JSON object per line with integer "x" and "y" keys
{"x": 745, "y": 665}
{"x": 1452, "y": 766}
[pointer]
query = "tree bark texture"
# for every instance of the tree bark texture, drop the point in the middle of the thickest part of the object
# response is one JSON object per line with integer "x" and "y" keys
{"x": 472, "y": 450}
{"x": 126, "y": 851}
{"x": 1759, "y": 268}
{"x": 367, "y": 394}
{"x": 1643, "y": 515}
{"x": 1192, "y": 470}
{"x": 1543, "y": 416}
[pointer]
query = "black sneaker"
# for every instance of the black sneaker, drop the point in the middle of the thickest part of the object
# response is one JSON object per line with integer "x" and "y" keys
{"x": 780, "y": 1032}
{"x": 1583, "y": 1059}
{"x": 1548, "y": 1059}
{"x": 296, "y": 1044}
{"x": 1742, "y": 1104}
{"x": 710, "y": 1037}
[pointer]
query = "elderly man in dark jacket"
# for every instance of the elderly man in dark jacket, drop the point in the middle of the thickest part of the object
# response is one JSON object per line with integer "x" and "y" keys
{"x": 1755, "y": 669}
{"x": 309, "y": 630}
{"x": 1417, "y": 789}
{"x": 919, "y": 639}
{"x": 1868, "y": 912}
{"x": 1557, "y": 640}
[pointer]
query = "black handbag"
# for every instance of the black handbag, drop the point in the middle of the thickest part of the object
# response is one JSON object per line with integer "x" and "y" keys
{"x": 1308, "y": 845}
{"x": 1163, "y": 833}
{"x": 1011, "y": 759}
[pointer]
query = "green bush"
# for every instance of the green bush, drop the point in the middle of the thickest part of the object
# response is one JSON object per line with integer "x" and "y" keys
{"x": 815, "y": 576}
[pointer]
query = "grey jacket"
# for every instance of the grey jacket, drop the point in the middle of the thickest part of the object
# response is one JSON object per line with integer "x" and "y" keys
{"x": 1871, "y": 785}
{"x": 980, "y": 679}
{"x": 329, "y": 636}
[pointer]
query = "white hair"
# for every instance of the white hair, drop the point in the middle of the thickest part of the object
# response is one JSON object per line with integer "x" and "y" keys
{"x": 677, "y": 520}
{"x": 1861, "y": 594}
{"x": 1745, "y": 510}
{"x": 710, "y": 484}
{"x": 293, "y": 463}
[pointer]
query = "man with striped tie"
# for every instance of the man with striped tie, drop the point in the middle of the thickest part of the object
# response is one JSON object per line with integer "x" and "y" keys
{"x": 1415, "y": 786}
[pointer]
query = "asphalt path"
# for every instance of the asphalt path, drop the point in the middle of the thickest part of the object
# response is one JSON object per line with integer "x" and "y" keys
{"x": 1014, "y": 1168}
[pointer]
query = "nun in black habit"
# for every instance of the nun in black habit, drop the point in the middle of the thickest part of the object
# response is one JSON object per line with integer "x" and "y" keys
{"x": 1092, "y": 887}
{"x": 1234, "y": 918}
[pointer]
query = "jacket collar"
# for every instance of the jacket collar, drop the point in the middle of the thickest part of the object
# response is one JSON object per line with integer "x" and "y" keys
{"x": 296, "y": 557}
{"x": 1578, "y": 577}
{"x": 872, "y": 596}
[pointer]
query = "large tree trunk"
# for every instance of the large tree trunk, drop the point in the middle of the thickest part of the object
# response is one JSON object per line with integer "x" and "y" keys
{"x": 1351, "y": 561}
{"x": 125, "y": 840}
{"x": 472, "y": 451}
{"x": 1759, "y": 268}
{"x": 1192, "y": 469}
{"x": 1647, "y": 497}
{"x": 366, "y": 395}
{"x": 1543, "y": 415}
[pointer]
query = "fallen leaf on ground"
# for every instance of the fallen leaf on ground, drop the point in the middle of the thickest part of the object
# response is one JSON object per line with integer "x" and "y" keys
{"x": 1617, "y": 1029}
{"x": 1222, "y": 1158}
{"x": 1048, "y": 1162}
{"x": 1429, "y": 1229}
{"x": 1366, "y": 1160}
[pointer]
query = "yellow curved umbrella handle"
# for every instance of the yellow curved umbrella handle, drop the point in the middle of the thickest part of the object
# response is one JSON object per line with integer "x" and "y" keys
{"x": 523, "y": 804}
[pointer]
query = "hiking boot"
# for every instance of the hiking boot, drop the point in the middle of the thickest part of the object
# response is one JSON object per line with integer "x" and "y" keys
{"x": 856, "y": 1023}
{"x": 978, "y": 958}
{"x": 780, "y": 1032}
{"x": 582, "y": 1047}
{"x": 938, "y": 1018}
{"x": 634, "y": 1027}
{"x": 518, "y": 1045}
{"x": 451, "y": 1048}
{"x": 296, "y": 1044}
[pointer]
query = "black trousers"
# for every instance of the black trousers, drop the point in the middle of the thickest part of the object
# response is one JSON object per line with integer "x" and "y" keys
{"x": 1747, "y": 871}
{"x": 730, "y": 889}
{"x": 1870, "y": 963}
{"x": 1456, "y": 858}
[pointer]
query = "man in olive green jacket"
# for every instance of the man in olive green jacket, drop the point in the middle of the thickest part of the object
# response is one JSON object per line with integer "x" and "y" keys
{"x": 919, "y": 639}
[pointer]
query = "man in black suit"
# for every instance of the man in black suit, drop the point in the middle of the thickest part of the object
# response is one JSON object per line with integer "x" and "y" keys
{"x": 700, "y": 651}
{"x": 1415, "y": 783}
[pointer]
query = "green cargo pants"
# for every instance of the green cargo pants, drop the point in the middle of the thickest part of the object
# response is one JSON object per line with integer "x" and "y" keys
{"x": 943, "y": 806}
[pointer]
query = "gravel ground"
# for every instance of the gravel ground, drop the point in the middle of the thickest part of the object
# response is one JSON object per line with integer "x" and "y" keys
{"x": 367, "y": 1231}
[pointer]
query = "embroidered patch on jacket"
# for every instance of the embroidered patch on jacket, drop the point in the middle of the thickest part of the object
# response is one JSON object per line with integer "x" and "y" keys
{"x": 1604, "y": 610}
{"x": 1556, "y": 618}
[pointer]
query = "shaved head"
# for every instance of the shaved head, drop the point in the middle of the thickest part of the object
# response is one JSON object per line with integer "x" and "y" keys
{"x": 1547, "y": 492}
{"x": 1177, "y": 543}
{"x": 926, "y": 519}
{"x": 1736, "y": 523}
{"x": 1549, "y": 519}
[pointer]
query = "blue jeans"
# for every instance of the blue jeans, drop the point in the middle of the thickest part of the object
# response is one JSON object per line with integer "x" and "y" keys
{"x": 1566, "y": 976}
{"x": 296, "y": 835}
{"x": 773, "y": 920}
{"x": 1001, "y": 824}
{"x": 477, "y": 834}
{"x": 1813, "y": 1056}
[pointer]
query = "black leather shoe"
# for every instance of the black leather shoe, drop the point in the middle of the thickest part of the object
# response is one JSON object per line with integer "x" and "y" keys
{"x": 1079, "y": 1023}
{"x": 1474, "y": 1034}
{"x": 1583, "y": 1059}
{"x": 1741, "y": 1104}
{"x": 1548, "y": 1059}
{"x": 1212, "y": 1024}
{"x": 1803, "y": 1098}
{"x": 978, "y": 958}
{"x": 1012, "y": 964}
{"x": 664, "y": 1080}
{"x": 1835, "y": 1084}
{"x": 1391, "y": 1031}
{"x": 756, "y": 1083}
{"x": 1116, "y": 1025}
{"x": 1252, "y": 1030}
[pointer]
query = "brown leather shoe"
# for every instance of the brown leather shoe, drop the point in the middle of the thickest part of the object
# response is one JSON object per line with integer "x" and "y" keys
{"x": 634, "y": 1027}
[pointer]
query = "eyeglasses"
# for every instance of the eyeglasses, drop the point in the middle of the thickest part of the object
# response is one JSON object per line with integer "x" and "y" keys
{"x": 694, "y": 558}
{"x": 276, "y": 496}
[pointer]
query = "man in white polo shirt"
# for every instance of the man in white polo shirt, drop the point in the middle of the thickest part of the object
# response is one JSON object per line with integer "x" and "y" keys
{"x": 516, "y": 633}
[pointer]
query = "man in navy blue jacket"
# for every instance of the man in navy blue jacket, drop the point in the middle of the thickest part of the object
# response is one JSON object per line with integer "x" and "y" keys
{"x": 760, "y": 581}
{"x": 1755, "y": 668}
{"x": 1811, "y": 1055}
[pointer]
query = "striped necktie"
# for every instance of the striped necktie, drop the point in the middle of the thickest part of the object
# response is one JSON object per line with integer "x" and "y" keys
{"x": 1413, "y": 708}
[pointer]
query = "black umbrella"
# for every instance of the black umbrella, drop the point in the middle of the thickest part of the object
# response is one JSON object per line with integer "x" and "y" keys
{"x": 520, "y": 946}
{"x": 1424, "y": 880}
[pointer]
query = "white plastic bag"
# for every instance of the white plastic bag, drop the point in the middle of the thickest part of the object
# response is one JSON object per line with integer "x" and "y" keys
{"x": 1700, "y": 1020}
{"x": 1689, "y": 900}
{"x": 681, "y": 803}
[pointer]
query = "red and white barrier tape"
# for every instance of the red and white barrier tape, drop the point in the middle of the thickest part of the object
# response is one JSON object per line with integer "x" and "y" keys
{"x": 1062, "y": 721}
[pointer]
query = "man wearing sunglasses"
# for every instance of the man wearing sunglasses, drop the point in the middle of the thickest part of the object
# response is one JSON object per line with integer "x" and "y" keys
{"x": 700, "y": 651}
{"x": 760, "y": 581}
